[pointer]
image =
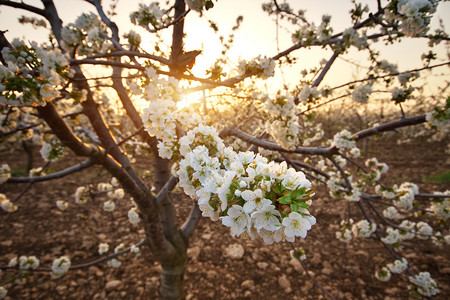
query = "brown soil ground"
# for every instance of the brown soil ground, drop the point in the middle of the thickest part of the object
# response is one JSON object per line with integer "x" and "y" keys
{"x": 263, "y": 272}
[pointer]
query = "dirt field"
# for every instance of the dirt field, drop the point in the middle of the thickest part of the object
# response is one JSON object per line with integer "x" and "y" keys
{"x": 261, "y": 272}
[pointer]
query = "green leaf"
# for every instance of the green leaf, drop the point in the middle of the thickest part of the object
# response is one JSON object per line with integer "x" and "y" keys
{"x": 298, "y": 194}
{"x": 294, "y": 207}
{"x": 277, "y": 188}
{"x": 285, "y": 199}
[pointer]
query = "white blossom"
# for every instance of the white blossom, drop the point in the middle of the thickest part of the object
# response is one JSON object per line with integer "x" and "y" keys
{"x": 5, "y": 173}
{"x": 426, "y": 286}
{"x": 133, "y": 216}
{"x": 60, "y": 266}
{"x": 103, "y": 248}
{"x": 296, "y": 225}
{"x": 383, "y": 274}
{"x": 398, "y": 266}
{"x": 6, "y": 204}
{"x": 28, "y": 262}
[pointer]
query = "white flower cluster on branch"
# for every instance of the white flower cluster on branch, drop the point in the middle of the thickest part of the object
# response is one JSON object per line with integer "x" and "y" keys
{"x": 18, "y": 83}
{"x": 283, "y": 122}
{"x": 413, "y": 16}
{"x": 88, "y": 34}
{"x": 262, "y": 67}
{"x": 253, "y": 197}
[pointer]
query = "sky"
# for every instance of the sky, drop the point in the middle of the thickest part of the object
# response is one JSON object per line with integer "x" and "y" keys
{"x": 256, "y": 36}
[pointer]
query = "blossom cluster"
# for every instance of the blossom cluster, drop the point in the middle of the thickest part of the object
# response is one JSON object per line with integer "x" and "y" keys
{"x": 24, "y": 262}
{"x": 52, "y": 151}
{"x": 383, "y": 274}
{"x": 424, "y": 284}
{"x": 283, "y": 122}
{"x": 398, "y": 266}
{"x": 162, "y": 116}
{"x": 441, "y": 207}
{"x": 360, "y": 229}
{"x": 262, "y": 67}
{"x": 5, "y": 173}
{"x": 60, "y": 266}
{"x": 377, "y": 168}
{"x": 115, "y": 262}
{"x": 307, "y": 34}
{"x": 253, "y": 197}
{"x": 88, "y": 34}
{"x": 309, "y": 93}
{"x": 362, "y": 92}
{"x": 413, "y": 16}
{"x": 352, "y": 37}
{"x": 364, "y": 229}
{"x": 344, "y": 139}
{"x": 405, "y": 195}
{"x": 150, "y": 14}
{"x": 19, "y": 84}
{"x": 6, "y": 204}
{"x": 81, "y": 194}
{"x": 439, "y": 118}
{"x": 134, "y": 39}
{"x": 407, "y": 230}
{"x": 199, "y": 5}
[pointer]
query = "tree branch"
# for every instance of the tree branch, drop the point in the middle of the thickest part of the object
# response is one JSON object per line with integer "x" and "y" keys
{"x": 390, "y": 126}
{"x": 229, "y": 131}
{"x": 81, "y": 166}
{"x": 325, "y": 69}
{"x": 24, "y": 6}
{"x": 187, "y": 229}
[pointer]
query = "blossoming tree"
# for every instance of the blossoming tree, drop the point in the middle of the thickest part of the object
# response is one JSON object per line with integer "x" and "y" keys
{"x": 263, "y": 191}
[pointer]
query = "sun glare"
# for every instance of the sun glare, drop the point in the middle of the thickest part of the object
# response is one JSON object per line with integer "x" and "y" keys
{"x": 190, "y": 99}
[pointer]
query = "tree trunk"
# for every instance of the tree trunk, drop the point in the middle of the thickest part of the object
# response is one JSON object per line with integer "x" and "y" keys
{"x": 172, "y": 277}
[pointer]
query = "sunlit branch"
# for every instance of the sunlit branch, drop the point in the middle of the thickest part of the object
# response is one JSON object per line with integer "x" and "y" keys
{"x": 91, "y": 135}
{"x": 289, "y": 13}
{"x": 81, "y": 166}
{"x": 106, "y": 20}
{"x": 105, "y": 77}
{"x": 177, "y": 19}
{"x": 87, "y": 61}
{"x": 329, "y": 42}
{"x": 229, "y": 131}
{"x": 323, "y": 103}
{"x": 131, "y": 53}
{"x": 325, "y": 69}
{"x": 389, "y": 75}
{"x": 390, "y": 126}
{"x": 24, "y": 6}
{"x": 210, "y": 83}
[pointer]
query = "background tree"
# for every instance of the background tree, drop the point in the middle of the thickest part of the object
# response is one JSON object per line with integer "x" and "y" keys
{"x": 51, "y": 98}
